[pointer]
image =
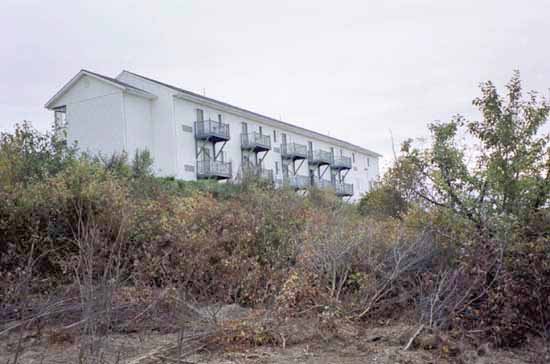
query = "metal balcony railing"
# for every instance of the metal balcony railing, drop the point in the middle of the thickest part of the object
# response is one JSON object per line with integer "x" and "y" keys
{"x": 341, "y": 162}
{"x": 211, "y": 130}
{"x": 255, "y": 141}
{"x": 322, "y": 184}
{"x": 297, "y": 182}
{"x": 214, "y": 169}
{"x": 320, "y": 157}
{"x": 343, "y": 189}
{"x": 258, "y": 172}
{"x": 294, "y": 151}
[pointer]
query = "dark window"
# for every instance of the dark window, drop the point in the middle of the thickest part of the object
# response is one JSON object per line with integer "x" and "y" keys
{"x": 274, "y": 136}
{"x": 368, "y": 162}
{"x": 283, "y": 138}
{"x": 244, "y": 127}
{"x": 260, "y": 130}
{"x": 220, "y": 118}
{"x": 353, "y": 157}
{"x": 60, "y": 117}
{"x": 200, "y": 115}
{"x": 310, "y": 146}
{"x": 276, "y": 167}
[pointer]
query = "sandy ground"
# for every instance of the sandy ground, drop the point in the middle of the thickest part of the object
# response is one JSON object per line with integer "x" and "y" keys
{"x": 378, "y": 345}
{"x": 299, "y": 342}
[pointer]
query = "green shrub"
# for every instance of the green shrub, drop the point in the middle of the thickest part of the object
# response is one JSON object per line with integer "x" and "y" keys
{"x": 27, "y": 155}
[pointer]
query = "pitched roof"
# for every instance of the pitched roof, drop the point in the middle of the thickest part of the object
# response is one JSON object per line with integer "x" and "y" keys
{"x": 277, "y": 121}
{"x": 113, "y": 81}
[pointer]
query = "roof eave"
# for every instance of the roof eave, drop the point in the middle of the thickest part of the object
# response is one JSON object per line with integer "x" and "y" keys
{"x": 271, "y": 122}
{"x": 81, "y": 73}
{"x": 188, "y": 95}
{"x": 146, "y": 95}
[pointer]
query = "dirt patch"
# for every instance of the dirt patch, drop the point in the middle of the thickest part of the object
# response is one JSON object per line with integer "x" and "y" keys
{"x": 376, "y": 345}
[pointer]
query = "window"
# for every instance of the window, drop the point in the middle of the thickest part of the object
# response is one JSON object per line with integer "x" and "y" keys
{"x": 283, "y": 138}
{"x": 368, "y": 162}
{"x": 276, "y": 166}
{"x": 200, "y": 115}
{"x": 60, "y": 117}
{"x": 310, "y": 146}
{"x": 244, "y": 127}
{"x": 220, "y": 118}
{"x": 274, "y": 136}
{"x": 260, "y": 130}
{"x": 353, "y": 157}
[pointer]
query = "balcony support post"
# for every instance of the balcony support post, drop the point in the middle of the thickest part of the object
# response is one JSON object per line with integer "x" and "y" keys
{"x": 263, "y": 157}
{"x": 216, "y": 155}
{"x": 342, "y": 178}
{"x": 321, "y": 174}
{"x": 300, "y": 166}
{"x": 199, "y": 148}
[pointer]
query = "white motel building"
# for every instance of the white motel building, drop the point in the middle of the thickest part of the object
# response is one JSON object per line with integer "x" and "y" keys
{"x": 192, "y": 137}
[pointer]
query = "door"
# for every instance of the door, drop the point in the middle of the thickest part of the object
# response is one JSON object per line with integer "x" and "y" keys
{"x": 200, "y": 115}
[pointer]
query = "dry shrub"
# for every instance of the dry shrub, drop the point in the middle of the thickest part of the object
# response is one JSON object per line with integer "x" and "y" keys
{"x": 301, "y": 295}
{"x": 245, "y": 333}
{"x": 39, "y": 221}
{"x": 366, "y": 267}
{"x": 232, "y": 251}
{"x": 491, "y": 286}
{"x": 332, "y": 243}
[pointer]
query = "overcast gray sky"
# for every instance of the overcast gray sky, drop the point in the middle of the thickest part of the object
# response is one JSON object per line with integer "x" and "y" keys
{"x": 354, "y": 69}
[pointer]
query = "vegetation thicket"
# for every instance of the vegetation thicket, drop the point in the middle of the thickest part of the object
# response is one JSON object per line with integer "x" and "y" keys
{"x": 457, "y": 237}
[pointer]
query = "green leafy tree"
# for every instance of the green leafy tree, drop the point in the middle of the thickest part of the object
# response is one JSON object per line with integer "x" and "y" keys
{"x": 383, "y": 201}
{"x": 505, "y": 170}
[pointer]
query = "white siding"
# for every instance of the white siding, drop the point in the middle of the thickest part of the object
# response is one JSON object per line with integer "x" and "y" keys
{"x": 164, "y": 150}
{"x": 94, "y": 116}
{"x": 139, "y": 127}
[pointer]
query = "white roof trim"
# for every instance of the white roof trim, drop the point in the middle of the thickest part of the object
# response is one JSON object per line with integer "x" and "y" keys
{"x": 79, "y": 75}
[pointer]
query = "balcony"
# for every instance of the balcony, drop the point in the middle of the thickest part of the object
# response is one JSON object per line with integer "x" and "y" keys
{"x": 297, "y": 182}
{"x": 343, "y": 189}
{"x": 258, "y": 172}
{"x": 211, "y": 130}
{"x": 213, "y": 169}
{"x": 293, "y": 151}
{"x": 341, "y": 162}
{"x": 322, "y": 184}
{"x": 320, "y": 157}
{"x": 255, "y": 142}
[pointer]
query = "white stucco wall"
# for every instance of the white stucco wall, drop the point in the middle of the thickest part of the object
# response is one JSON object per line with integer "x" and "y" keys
{"x": 138, "y": 124}
{"x": 164, "y": 148}
{"x": 94, "y": 116}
